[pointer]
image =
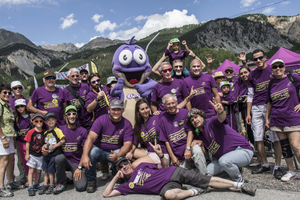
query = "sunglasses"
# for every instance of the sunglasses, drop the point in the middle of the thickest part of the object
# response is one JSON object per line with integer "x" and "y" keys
{"x": 124, "y": 163}
{"x": 258, "y": 58}
{"x": 228, "y": 72}
{"x": 96, "y": 81}
{"x": 167, "y": 70}
{"x": 39, "y": 121}
{"x": 71, "y": 113}
{"x": 175, "y": 45}
{"x": 221, "y": 77}
{"x": 75, "y": 76}
{"x": 21, "y": 106}
{"x": 50, "y": 78}
{"x": 179, "y": 66}
{"x": 5, "y": 93}
{"x": 15, "y": 88}
{"x": 276, "y": 66}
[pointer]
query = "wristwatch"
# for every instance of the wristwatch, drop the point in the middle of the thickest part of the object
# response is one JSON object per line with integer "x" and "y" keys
{"x": 188, "y": 148}
{"x": 79, "y": 167}
{"x": 3, "y": 137}
{"x": 96, "y": 99}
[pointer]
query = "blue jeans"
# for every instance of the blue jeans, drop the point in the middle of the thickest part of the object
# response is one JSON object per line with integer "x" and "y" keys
{"x": 98, "y": 155}
{"x": 230, "y": 163}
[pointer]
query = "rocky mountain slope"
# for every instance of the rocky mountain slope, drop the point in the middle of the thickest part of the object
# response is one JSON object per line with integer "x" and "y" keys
{"x": 100, "y": 42}
{"x": 68, "y": 47}
{"x": 8, "y": 38}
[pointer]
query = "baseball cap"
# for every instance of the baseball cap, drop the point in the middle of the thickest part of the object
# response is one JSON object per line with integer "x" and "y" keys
{"x": 48, "y": 73}
{"x": 71, "y": 107}
{"x": 116, "y": 103}
{"x": 16, "y": 83}
{"x": 83, "y": 69}
{"x": 229, "y": 68}
{"x": 119, "y": 160}
{"x": 224, "y": 83}
{"x": 277, "y": 60}
{"x": 37, "y": 115}
{"x": 50, "y": 114}
{"x": 110, "y": 80}
{"x": 20, "y": 102}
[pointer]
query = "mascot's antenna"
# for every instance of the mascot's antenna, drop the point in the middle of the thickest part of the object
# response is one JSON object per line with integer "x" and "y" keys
{"x": 151, "y": 41}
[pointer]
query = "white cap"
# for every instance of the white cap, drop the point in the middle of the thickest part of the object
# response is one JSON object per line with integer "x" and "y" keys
{"x": 277, "y": 60}
{"x": 20, "y": 102}
{"x": 15, "y": 83}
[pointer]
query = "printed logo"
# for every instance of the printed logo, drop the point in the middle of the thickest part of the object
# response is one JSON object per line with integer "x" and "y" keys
{"x": 153, "y": 122}
{"x": 54, "y": 96}
{"x": 203, "y": 83}
{"x": 181, "y": 122}
{"x": 78, "y": 138}
{"x": 133, "y": 96}
{"x": 84, "y": 91}
{"x": 175, "y": 124}
{"x": 142, "y": 134}
{"x": 131, "y": 185}
{"x": 173, "y": 91}
{"x": 39, "y": 136}
{"x": 54, "y": 101}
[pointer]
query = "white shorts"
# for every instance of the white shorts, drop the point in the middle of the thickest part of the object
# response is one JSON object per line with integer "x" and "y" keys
{"x": 35, "y": 162}
{"x": 259, "y": 122}
{"x": 10, "y": 149}
{"x": 155, "y": 157}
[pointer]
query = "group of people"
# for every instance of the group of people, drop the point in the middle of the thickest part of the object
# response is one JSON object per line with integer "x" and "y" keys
{"x": 184, "y": 135}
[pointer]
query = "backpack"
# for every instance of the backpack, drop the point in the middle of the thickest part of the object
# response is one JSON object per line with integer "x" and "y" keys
{"x": 292, "y": 79}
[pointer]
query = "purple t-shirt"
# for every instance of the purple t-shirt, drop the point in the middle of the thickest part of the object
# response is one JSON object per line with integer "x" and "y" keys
{"x": 174, "y": 87}
{"x": 203, "y": 86}
{"x": 83, "y": 116}
{"x": 174, "y": 129}
{"x": 23, "y": 128}
{"x": 111, "y": 135}
{"x": 147, "y": 179}
{"x": 284, "y": 99}
{"x": 181, "y": 77}
{"x": 259, "y": 81}
{"x": 50, "y": 101}
{"x": 102, "y": 107}
{"x": 219, "y": 138}
{"x": 182, "y": 54}
{"x": 12, "y": 100}
{"x": 75, "y": 138}
{"x": 149, "y": 129}
{"x": 230, "y": 98}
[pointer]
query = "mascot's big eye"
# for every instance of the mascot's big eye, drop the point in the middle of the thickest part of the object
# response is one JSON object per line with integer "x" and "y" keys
{"x": 125, "y": 57}
{"x": 139, "y": 56}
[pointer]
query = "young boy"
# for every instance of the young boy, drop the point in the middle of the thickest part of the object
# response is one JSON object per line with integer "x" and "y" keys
{"x": 177, "y": 53}
{"x": 34, "y": 157}
{"x": 227, "y": 100}
{"x": 54, "y": 139}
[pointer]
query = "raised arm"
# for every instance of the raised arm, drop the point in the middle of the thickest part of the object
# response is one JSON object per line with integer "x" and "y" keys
{"x": 209, "y": 61}
{"x": 185, "y": 45}
{"x": 219, "y": 110}
{"x": 155, "y": 68}
{"x": 196, "y": 57}
{"x": 242, "y": 58}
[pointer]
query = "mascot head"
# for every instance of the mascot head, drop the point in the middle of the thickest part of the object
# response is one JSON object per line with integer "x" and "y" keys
{"x": 131, "y": 62}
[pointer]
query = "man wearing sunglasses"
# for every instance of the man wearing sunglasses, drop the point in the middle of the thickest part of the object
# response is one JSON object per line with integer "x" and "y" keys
{"x": 169, "y": 85}
{"x": 17, "y": 89}
{"x": 48, "y": 98}
{"x": 147, "y": 178}
{"x": 75, "y": 137}
{"x": 75, "y": 94}
{"x": 229, "y": 74}
{"x": 258, "y": 82}
{"x": 84, "y": 75}
{"x": 109, "y": 138}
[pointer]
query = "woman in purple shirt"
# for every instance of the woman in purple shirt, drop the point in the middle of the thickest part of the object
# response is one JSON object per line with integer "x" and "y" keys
{"x": 283, "y": 109}
{"x": 146, "y": 129}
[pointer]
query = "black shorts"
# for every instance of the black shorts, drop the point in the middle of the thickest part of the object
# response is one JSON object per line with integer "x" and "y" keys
{"x": 185, "y": 176}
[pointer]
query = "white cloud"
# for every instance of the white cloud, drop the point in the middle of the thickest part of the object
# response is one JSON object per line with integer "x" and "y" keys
{"x": 258, "y": 4}
{"x": 285, "y": 2}
{"x": 79, "y": 45}
{"x": 175, "y": 18}
{"x": 96, "y": 18}
{"x": 9, "y": 17}
{"x": 8, "y": 27}
{"x": 126, "y": 22}
{"x": 68, "y": 21}
{"x": 105, "y": 25}
{"x": 196, "y": 2}
{"x": 246, "y": 3}
{"x": 27, "y": 2}
{"x": 268, "y": 10}
{"x": 111, "y": 10}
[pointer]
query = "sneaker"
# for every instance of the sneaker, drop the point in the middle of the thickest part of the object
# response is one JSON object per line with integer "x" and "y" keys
{"x": 288, "y": 176}
{"x": 59, "y": 188}
{"x": 190, "y": 187}
{"x": 14, "y": 186}
{"x": 255, "y": 163}
{"x": 5, "y": 193}
{"x": 43, "y": 189}
{"x": 50, "y": 189}
{"x": 278, "y": 173}
{"x": 36, "y": 187}
{"x": 261, "y": 170}
{"x": 91, "y": 187}
{"x": 249, "y": 189}
{"x": 104, "y": 176}
{"x": 31, "y": 191}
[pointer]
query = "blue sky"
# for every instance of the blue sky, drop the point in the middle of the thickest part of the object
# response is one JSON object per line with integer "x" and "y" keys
{"x": 47, "y": 22}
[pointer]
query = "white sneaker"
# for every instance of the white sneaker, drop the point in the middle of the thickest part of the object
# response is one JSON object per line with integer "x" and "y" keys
{"x": 104, "y": 176}
{"x": 255, "y": 163}
{"x": 288, "y": 176}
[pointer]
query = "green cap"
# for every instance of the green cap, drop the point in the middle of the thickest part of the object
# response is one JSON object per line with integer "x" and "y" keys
{"x": 174, "y": 40}
{"x": 224, "y": 83}
{"x": 71, "y": 107}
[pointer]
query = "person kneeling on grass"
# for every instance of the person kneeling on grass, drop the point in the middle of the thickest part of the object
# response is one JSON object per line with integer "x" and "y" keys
{"x": 148, "y": 178}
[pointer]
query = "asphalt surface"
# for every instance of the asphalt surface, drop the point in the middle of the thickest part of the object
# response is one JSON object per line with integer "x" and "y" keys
{"x": 261, "y": 194}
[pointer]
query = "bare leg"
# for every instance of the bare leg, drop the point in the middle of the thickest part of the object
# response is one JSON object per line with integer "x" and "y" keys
{"x": 10, "y": 167}
{"x": 175, "y": 194}
{"x": 3, "y": 166}
{"x": 37, "y": 176}
{"x": 217, "y": 182}
{"x": 51, "y": 178}
{"x": 139, "y": 152}
{"x": 30, "y": 176}
{"x": 262, "y": 151}
{"x": 46, "y": 178}
{"x": 294, "y": 138}
{"x": 277, "y": 150}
